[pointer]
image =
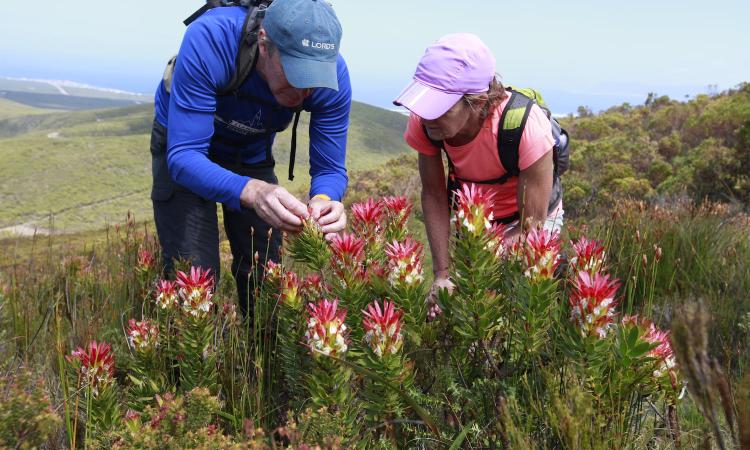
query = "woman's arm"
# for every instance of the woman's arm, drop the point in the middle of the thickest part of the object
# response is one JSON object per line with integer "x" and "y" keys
{"x": 436, "y": 211}
{"x": 534, "y": 189}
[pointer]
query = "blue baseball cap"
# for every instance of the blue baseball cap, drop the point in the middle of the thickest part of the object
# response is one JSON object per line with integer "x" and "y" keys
{"x": 307, "y": 34}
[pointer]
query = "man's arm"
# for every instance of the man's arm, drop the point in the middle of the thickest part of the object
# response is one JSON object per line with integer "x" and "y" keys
{"x": 329, "y": 124}
{"x": 534, "y": 189}
{"x": 436, "y": 211}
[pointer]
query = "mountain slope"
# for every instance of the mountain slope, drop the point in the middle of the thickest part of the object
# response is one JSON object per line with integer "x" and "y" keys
{"x": 88, "y": 168}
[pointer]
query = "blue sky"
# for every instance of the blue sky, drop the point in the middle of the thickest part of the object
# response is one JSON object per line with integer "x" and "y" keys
{"x": 591, "y": 52}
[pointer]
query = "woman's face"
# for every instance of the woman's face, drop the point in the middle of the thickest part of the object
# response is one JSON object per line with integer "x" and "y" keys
{"x": 449, "y": 124}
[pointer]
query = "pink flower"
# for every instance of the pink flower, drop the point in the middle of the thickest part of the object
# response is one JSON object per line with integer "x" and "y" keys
{"x": 273, "y": 271}
{"x": 143, "y": 336}
{"x": 474, "y": 212}
{"x": 405, "y": 262}
{"x": 326, "y": 331}
{"x": 496, "y": 244}
{"x": 196, "y": 291}
{"x": 348, "y": 257}
{"x": 542, "y": 254}
{"x": 592, "y": 303}
{"x": 146, "y": 260}
{"x": 348, "y": 249}
{"x": 166, "y": 294}
{"x": 290, "y": 290}
{"x": 383, "y": 328}
{"x": 662, "y": 353}
{"x": 97, "y": 365}
{"x": 313, "y": 287}
{"x": 589, "y": 256}
{"x": 433, "y": 311}
{"x": 397, "y": 209}
{"x": 366, "y": 218}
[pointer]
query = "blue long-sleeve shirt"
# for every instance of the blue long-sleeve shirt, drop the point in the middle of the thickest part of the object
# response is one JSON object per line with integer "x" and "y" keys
{"x": 202, "y": 127}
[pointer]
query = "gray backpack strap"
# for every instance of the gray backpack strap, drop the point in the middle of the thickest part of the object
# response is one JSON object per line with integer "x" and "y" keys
{"x": 169, "y": 73}
{"x": 247, "y": 49}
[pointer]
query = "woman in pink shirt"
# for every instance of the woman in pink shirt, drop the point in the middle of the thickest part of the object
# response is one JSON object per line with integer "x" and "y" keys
{"x": 456, "y": 101}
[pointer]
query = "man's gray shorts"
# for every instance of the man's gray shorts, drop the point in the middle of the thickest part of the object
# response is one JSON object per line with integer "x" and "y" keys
{"x": 187, "y": 224}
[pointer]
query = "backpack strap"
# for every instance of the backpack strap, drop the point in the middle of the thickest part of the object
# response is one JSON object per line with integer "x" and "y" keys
{"x": 247, "y": 49}
{"x": 512, "y": 122}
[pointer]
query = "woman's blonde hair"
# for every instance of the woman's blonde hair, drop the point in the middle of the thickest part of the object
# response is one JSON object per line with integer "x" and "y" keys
{"x": 489, "y": 100}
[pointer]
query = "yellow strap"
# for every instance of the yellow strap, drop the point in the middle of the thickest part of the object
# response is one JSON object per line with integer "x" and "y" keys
{"x": 322, "y": 196}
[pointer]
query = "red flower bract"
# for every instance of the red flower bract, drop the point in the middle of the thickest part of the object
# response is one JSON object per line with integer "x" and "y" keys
{"x": 145, "y": 260}
{"x": 542, "y": 254}
{"x": 196, "y": 291}
{"x": 97, "y": 364}
{"x": 366, "y": 216}
{"x": 166, "y": 294}
{"x": 589, "y": 255}
{"x": 383, "y": 328}
{"x": 474, "y": 210}
{"x": 405, "y": 262}
{"x": 348, "y": 247}
{"x": 397, "y": 209}
{"x": 143, "y": 335}
{"x": 326, "y": 331}
{"x": 592, "y": 303}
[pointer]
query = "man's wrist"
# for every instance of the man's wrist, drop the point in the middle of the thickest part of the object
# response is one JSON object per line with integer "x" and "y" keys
{"x": 440, "y": 273}
{"x": 322, "y": 197}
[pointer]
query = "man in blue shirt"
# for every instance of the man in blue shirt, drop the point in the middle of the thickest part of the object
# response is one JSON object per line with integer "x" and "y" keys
{"x": 209, "y": 148}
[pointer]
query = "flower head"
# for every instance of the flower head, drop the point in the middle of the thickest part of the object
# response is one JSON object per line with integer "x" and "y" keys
{"x": 166, "y": 294}
{"x": 474, "y": 211}
{"x": 96, "y": 363}
{"x": 541, "y": 253}
{"x": 592, "y": 303}
{"x": 666, "y": 370}
{"x": 273, "y": 271}
{"x": 496, "y": 244}
{"x": 143, "y": 336}
{"x": 196, "y": 291}
{"x": 348, "y": 257}
{"x": 326, "y": 331}
{"x": 366, "y": 218}
{"x": 146, "y": 260}
{"x": 405, "y": 262}
{"x": 313, "y": 287}
{"x": 590, "y": 255}
{"x": 397, "y": 209}
{"x": 383, "y": 328}
{"x": 290, "y": 287}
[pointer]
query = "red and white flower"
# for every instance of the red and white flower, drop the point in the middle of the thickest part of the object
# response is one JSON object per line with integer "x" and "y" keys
{"x": 383, "y": 328}
{"x": 143, "y": 336}
{"x": 405, "y": 262}
{"x": 290, "y": 288}
{"x": 496, "y": 244}
{"x": 146, "y": 260}
{"x": 662, "y": 352}
{"x": 327, "y": 333}
{"x": 592, "y": 303}
{"x": 96, "y": 363}
{"x": 196, "y": 291}
{"x": 348, "y": 257}
{"x": 313, "y": 287}
{"x": 166, "y": 294}
{"x": 541, "y": 253}
{"x": 590, "y": 256}
{"x": 474, "y": 212}
{"x": 273, "y": 271}
{"x": 397, "y": 209}
{"x": 366, "y": 218}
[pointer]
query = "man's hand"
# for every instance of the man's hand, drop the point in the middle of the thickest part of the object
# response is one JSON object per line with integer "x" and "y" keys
{"x": 441, "y": 282}
{"x": 329, "y": 214}
{"x": 274, "y": 204}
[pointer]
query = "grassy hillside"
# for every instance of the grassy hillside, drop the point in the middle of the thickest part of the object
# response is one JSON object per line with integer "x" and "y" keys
{"x": 9, "y": 108}
{"x": 89, "y": 168}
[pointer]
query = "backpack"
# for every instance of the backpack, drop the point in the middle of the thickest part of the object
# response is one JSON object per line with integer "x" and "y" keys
{"x": 247, "y": 55}
{"x": 510, "y": 130}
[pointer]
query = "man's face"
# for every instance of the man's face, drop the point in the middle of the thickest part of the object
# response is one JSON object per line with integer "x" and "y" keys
{"x": 286, "y": 94}
{"x": 449, "y": 124}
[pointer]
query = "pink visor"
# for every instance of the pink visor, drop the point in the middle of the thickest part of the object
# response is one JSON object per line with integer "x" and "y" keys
{"x": 455, "y": 65}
